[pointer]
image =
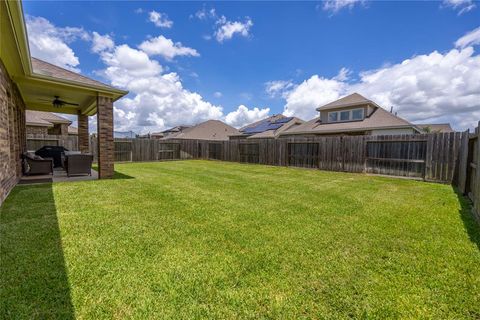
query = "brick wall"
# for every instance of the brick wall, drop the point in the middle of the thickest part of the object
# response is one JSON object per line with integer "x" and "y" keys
{"x": 83, "y": 137}
{"x": 59, "y": 129}
{"x": 12, "y": 133}
{"x": 37, "y": 130}
{"x": 105, "y": 137}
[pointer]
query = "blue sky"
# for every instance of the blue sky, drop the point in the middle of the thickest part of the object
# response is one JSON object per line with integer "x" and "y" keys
{"x": 242, "y": 61}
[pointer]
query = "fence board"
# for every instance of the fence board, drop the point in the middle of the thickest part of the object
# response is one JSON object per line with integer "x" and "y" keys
{"x": 472, "y": 183}
{"x": 36, "y": 141}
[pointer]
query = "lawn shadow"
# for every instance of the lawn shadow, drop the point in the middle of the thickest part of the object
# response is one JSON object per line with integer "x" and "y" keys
{"x": 119, "y": 175}
{"x": 116, "y": 174}
{"x": 470, "y": 221}
{"x": 33, "y": 272}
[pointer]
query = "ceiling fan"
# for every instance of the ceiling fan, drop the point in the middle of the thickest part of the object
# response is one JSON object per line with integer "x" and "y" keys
{"x": 58, "y": 103}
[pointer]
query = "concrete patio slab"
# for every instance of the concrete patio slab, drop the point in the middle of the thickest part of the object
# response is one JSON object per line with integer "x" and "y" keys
{"x": 59, "y": 175}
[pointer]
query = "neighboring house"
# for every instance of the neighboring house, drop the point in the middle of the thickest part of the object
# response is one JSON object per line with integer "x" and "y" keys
{"x": 353, "y": 115}
{"x": 268, "y": 128}
{"x": 208, "y": 130}
{"x": 124, "y": 134}
{"x": 157, "y": 135}
{"x": 434, "y": 128}
{"x": 41, "y": 122}
{"x": 174, "y": 130}
{"x": 154, "y": 135}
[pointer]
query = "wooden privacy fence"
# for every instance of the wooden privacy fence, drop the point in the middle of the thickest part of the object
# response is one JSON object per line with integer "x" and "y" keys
{"x": 432, "y": 157}
{"x": 36, "y": 141}
{"x": 469, "y": 172}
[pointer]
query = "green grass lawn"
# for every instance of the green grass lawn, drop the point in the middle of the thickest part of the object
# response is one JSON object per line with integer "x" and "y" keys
{"x": 199, "y": 239}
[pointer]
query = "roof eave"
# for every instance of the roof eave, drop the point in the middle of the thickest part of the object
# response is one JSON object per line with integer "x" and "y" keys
{"x": 15, "y": 12}
{"x": 349, "y": 130}
{"x": 114, "y": 92}
{"x": 37, "y": 124}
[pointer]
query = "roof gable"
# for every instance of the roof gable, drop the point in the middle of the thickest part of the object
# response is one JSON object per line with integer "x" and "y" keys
{"x": 353, "y": 99}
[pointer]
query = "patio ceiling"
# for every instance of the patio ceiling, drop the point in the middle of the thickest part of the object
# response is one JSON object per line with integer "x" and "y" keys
{"x": 38, "y": 81}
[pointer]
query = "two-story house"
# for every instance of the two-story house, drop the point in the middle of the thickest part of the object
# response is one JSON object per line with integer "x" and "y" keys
{"x": 353, "y": 115}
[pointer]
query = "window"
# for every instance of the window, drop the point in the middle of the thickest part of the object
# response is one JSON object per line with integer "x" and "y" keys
{"x": 357, "y": 114}
{"x": 346, "y": 115}
{"x": 332, "y": 117}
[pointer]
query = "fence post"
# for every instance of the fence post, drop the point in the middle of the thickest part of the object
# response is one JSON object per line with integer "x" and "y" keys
{"x": 463, "y": 162}
{"x": 476, "y": 192}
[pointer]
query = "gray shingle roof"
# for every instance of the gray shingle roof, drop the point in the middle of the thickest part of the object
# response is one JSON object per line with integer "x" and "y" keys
{"x": 41, "y": 118}
{"x": 350, "y": 100}
{"x": 208, "y": 130}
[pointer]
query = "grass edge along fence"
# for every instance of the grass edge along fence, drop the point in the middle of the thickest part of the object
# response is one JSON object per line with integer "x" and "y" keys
{"x": 437, "y": 157}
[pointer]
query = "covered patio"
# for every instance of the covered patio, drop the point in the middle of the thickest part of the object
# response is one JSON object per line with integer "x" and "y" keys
{"x": 53, "y": 89}
{"x": 28, "y": 83}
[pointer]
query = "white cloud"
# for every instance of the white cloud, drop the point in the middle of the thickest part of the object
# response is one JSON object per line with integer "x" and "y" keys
{"x": 429, "y": 87}
{"x": 101, "y": 43}
{"x": 51, "y": 43}
{"x": 166, "y": 48}
{"x": 217, "y": 94}
{"x": 224, "y": 28}
{"x": 160, "y": 19}
{"x": 343, "y": 74}
{"x": 435, "y": 87}
{"x": 204, "y": 14}
{"x": 335, "y": 6}
{"x": 310, "y": 94}
{"x": 127, "y": 65}
{"x": 462, "y": 6}
{"x": 471, "y": 38}
{"x": 278, "y": 88}
{"x": 138, "y": 10}
{"x": 227, "y": 29}
{"x": 243, "y": 116}
{"x": 157, "y": 100}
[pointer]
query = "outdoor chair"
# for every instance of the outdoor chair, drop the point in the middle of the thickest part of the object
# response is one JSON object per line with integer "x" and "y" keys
{"x": 33, "y": 164}
{"x": 78, "y": 164}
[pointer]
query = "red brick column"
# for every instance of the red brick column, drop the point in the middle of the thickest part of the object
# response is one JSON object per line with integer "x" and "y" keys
{"x": 83, "y": 136}
{"x": 105, "y": 137}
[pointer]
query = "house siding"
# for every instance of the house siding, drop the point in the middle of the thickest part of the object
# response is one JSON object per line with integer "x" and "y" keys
{"x": 12, "y": 133}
